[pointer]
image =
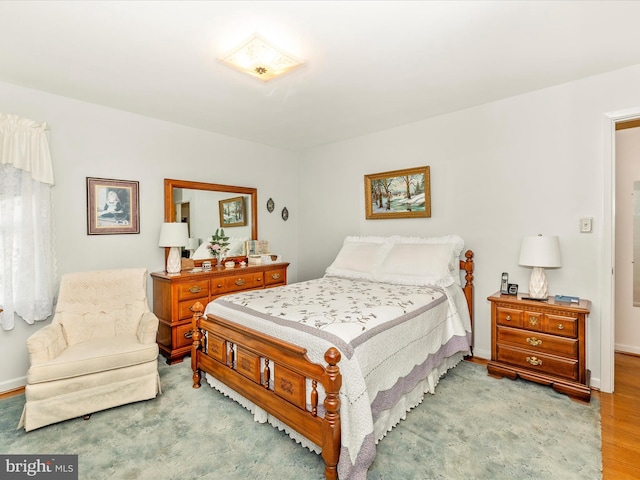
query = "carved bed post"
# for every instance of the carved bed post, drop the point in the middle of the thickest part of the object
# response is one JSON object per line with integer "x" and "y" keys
{"x": 331, "y": 426}
{"x": 196, "y": 335}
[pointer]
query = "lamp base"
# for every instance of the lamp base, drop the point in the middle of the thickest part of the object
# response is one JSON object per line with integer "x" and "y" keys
{"x": 538, "y": 288}
{"x": 174, "y": 262}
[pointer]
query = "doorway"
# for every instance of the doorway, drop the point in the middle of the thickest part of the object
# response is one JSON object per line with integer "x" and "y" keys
{"x": 607, "y": 334}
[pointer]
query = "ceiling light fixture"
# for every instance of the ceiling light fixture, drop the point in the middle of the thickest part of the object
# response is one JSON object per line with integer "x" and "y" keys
{"x": 260, "y": 59}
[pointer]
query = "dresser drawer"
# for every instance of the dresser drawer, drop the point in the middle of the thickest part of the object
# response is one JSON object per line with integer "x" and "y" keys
{"x": 184, "y": 308}
{"x": 539, "y": 362}
{"x": 275, "y": 277}
{"x": 533, "y": 321}
{"x": 561, "y": 325}
{"x": 183, "y": 335}
{"x": 244, "y": 282}
{"x": 193, "y": 290}
{"x": 509, "y": 316}
{"x": 539, "y": 342}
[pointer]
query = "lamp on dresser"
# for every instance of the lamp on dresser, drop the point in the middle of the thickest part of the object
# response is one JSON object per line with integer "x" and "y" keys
{"x": 174, "y": 235}
{"x": 540, "y": 252}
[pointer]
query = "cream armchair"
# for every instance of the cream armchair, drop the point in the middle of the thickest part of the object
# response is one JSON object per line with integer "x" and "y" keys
{"x": 99, "y": 351}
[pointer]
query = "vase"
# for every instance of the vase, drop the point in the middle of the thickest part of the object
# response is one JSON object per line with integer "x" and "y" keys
{"x": 220, "y": 259}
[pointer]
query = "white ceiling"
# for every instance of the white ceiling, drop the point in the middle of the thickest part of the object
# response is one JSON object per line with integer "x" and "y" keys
{"x": 369, "y": 65}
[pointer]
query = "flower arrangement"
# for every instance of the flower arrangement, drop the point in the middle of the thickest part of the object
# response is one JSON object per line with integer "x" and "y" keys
{"x": 219, "y": 243}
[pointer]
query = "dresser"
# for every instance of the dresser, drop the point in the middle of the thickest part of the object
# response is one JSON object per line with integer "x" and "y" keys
{"x": 174, "y": 295}
{"x": 544, "y": 342}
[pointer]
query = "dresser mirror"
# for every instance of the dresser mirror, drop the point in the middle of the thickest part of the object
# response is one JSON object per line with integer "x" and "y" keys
{"x": 199, "y": 205}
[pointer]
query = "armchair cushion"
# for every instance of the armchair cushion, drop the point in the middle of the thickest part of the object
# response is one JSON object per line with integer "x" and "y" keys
{"x": 92, "y": 357}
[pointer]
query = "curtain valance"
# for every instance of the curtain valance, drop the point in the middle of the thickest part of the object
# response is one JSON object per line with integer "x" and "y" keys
{"x": 24, "y": 144}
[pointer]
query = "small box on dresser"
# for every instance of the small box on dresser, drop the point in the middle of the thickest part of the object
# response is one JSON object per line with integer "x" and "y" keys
{"x": 541, "y": 341}
{"x": 174, "y": 295}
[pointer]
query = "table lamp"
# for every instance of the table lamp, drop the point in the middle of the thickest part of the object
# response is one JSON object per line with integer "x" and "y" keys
{"x": 540, "y": 252}
{"x": 174, "y": 235}
{"x": 194, "y": 243}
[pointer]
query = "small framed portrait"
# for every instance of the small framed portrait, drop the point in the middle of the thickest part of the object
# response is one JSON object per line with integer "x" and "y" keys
{"x": 112, "y": 206}
{"x": 232, "y": 212}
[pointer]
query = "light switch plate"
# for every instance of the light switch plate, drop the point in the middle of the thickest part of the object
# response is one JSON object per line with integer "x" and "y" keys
{"x": 586, "y": 224}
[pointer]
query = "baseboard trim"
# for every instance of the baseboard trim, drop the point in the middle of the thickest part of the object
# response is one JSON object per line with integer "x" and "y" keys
{"x": 12, "y": 393}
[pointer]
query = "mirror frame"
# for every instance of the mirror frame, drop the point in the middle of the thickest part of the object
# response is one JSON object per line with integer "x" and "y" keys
{"x": 169, "y": 210}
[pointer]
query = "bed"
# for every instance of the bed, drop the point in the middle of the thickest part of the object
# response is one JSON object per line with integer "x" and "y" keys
{"x": 336, "y": 362}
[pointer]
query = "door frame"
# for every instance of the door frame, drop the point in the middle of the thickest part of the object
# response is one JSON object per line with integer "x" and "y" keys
{"x": 607, "y": 312}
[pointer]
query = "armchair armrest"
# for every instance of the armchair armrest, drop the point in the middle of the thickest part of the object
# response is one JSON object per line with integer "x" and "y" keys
{"x": 46, "y": 344}
{"x": 148, "y": 328}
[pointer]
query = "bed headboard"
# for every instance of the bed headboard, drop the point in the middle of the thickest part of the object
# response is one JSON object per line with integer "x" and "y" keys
{"x": 467, "y": 266}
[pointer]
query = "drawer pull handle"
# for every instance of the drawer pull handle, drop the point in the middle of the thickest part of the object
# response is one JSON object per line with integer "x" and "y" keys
{"x": 534, "y": 361}
{"x": 240, "y": 282}
{"x": 219, "y": 285}
{"x": 195, "y": 289}
{"x": 508, "y": 318}
{"x": 560, "y": 326}
{"x": 275, "y": 276}
{"x": 188, "y": 334}
{"x": 533, "y": 341}
{"x": 533, "y": 321}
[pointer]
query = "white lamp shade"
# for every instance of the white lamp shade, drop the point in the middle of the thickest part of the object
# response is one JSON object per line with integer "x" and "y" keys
{"x": 540, "y": 251}
{"x": 194, "y": 243}
{"x": 174, "y": 235}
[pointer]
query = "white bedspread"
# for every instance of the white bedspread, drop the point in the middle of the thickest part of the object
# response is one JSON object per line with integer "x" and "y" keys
{"x": 396, "y": 341}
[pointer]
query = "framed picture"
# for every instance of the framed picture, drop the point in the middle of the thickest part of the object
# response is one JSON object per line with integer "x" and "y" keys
{"x": 112, "y": 206}
{"x": 232, "y": 212}
{"x": 398, "y": 194}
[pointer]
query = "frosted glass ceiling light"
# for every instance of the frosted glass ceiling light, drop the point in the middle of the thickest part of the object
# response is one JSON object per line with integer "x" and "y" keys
{"x": 260, "y": 59}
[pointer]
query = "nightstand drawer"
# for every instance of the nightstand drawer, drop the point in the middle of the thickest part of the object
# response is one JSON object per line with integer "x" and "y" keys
{"x": 509, "y": 317}
{"x": 561, "y": 325}
{"x": 533, "y": 321}
{"x": 539, "y": 342}
{"x": 539, "y": 362}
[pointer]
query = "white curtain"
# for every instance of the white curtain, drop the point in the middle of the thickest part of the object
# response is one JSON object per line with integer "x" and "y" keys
{"x": 27, "y": 260}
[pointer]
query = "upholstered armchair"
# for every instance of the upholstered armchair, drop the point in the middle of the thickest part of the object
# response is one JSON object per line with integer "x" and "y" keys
{"x": 98, "y": 352}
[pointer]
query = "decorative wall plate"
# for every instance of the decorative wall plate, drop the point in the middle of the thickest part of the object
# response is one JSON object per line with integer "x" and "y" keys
{"x": 270, "y": 205}
{"x": 285, "y": 214}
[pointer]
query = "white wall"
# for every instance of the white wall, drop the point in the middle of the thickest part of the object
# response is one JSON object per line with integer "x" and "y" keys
{"x": 627, "y": 317}
{"x": 94, "y": 141}
{"x": 521, "y": 166}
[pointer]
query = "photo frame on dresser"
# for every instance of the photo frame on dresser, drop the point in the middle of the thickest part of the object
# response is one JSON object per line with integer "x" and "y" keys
{"x": 113, "y": 206}
{"x": 398, "y": 194}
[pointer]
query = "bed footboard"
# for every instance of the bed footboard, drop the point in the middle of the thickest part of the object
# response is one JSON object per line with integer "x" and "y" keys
{"x": 274, "y": 375}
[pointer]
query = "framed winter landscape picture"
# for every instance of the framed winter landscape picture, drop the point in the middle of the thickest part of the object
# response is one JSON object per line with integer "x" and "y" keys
{"x": 398, "y": 194}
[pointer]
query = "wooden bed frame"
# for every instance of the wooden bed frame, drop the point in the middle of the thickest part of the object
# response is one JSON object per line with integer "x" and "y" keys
{"x": 247, "y": 370}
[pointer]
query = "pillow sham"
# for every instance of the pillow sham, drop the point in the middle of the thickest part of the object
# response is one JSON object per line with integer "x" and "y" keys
{"x": 456, "y": 242}
{"x": 359, "y": 258}
{"x": 417, "y": 264}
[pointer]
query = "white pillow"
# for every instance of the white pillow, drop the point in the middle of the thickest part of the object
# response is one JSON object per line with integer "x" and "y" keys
{"x": 455, "y": 241}
{"x": 359, "y": 258}
{"x": 417, "y": 264}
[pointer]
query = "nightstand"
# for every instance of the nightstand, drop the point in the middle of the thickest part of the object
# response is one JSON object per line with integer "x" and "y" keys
{"x": 541, "y": 341}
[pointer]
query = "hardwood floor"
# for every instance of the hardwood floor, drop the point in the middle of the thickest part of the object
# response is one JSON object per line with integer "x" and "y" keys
{"x": 620, "y": 414}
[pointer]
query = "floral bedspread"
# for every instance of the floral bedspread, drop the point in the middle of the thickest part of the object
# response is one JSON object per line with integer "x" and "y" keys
{"x": 392, "y": 338}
